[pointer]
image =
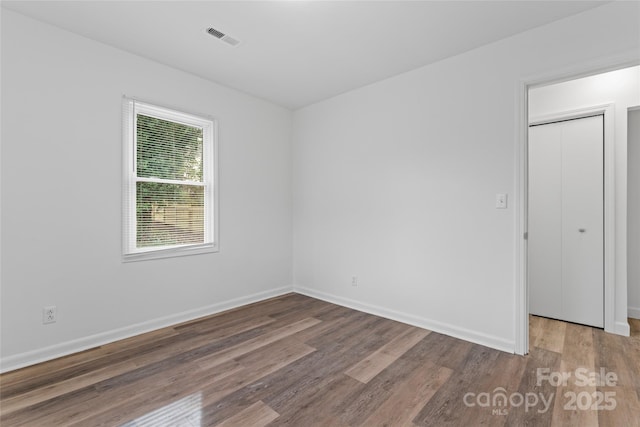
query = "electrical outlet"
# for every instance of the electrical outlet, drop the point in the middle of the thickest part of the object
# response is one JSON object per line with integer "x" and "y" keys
{"x": 49, "y": 314}
{"x": 354, "y": 280}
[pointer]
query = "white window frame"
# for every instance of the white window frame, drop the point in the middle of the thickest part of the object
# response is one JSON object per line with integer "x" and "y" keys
{"x": 130, "y": 252}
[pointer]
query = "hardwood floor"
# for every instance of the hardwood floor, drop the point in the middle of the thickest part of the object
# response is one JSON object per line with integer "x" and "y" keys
{"x": 297, "y": 361}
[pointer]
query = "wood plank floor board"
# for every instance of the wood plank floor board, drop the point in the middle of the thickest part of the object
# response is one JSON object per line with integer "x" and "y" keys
{"x": 634, "y": 326}
{"x": 294, "y": 316}
{"x": 224, "y": 400}
{"x": 247, "y": 346}
{"x": 289, "y": 361}
{"x": 225, "y": 329}
{"x": 257, "y": 415}
{"x": 316, "y": 395}
{"x": 210, "y": 389}
{"x": 630, "y": 357}
{"x": 334, "y": 312}
{"x": 259, "y": 362}
{"x": 542, "y": 414}
{"x": 125, "y": 398}
{"x": 315, "y": 380}
{"x": 53, "y": 412}
{"x": 578, "y": 354}
{"x": 289, "y": 379}
{"x": 319, "y": 409}
{"x": 618, "y": 356}
{"x": 535, "y": 329}
{"x": 446, "y": 406}
{"x": 444, "y": 351}
{"x": 347, "y": 329}
{"x": 377, "y": 361}
{"x": 309, "y": 309}
{"x": 503, "y": 376}
{"x": 305, "y": 379}
{"x": 326, "y": 331}
{"x": 357, "y": 407}
{"x": 172, "y": 388}
{"x": 550, "y": 335}
{"x": 323, "y": 328}
{"x": 407, "y": 398}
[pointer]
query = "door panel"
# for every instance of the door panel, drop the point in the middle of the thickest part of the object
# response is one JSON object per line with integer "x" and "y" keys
{"x": 582, "y": 209}
{"x": 545, "y": 220}
{"x": 566, "y": 243}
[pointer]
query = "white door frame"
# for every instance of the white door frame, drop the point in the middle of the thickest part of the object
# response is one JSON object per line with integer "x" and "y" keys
{"x": 521, "y": 293}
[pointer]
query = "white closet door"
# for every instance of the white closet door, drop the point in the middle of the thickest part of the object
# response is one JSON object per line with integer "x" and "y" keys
{"x": 566, "y": 242}
{"x": 545, "y": 220}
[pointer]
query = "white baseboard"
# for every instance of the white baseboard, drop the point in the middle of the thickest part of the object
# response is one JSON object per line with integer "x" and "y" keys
{"x": 32, "y": 357}
{"x": 421, "y": 322}
{"x": 622, "y": 328}
{"x": 633, "y": 312}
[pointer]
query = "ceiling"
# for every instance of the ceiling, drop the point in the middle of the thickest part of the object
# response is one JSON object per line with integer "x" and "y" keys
{"x": 295, "y": 53}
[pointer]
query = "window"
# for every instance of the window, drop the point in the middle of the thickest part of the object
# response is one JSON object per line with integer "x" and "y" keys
{"x": 169, "y": 187}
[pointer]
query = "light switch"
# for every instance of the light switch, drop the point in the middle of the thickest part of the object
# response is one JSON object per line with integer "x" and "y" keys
{"x": 501, "y": 201}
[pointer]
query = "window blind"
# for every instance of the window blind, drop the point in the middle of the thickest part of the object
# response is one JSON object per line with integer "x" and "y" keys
{"x": 170, "y": 201}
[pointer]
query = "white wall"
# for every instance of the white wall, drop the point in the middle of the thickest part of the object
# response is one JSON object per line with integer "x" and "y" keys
{"x": 61, "y": 196}
{"x": 396, "y": 182}
{"x": 634, "y": 213}
{"x": 621, "y": 87}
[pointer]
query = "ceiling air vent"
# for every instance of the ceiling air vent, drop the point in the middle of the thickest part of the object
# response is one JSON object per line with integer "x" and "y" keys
{"x": 223, "y": 37}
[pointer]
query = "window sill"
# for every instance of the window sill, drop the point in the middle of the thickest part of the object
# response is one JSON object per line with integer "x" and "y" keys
{"x": 170, "y": 253}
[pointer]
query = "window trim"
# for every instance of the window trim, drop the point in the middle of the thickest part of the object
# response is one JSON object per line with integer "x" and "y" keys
{"x": 131, "y": 107}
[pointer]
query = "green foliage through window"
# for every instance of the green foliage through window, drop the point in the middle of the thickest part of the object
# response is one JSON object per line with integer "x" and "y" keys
{"x": 169, "y": 213}
{"x": 168, "y": 150}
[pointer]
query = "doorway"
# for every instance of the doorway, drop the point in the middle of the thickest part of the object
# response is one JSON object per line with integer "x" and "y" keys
{"x": 563, "y": 97}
